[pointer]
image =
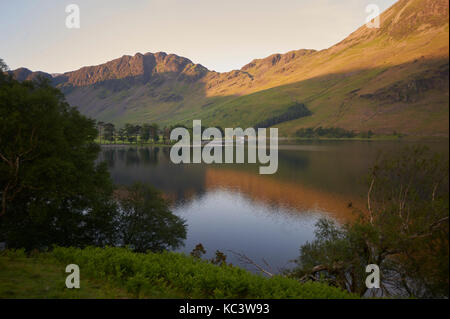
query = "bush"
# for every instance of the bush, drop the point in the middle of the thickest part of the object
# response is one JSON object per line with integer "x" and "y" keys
{"x": 404, "y": 230}
{"x": 191, "y": 276}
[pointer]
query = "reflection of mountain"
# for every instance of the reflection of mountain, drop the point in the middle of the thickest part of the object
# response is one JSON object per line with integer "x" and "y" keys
{"x": 281, "y": 193}
{"x": 325, "y": 175}
{"x": 152, "y": 166}
{"x": 333, "y": 167}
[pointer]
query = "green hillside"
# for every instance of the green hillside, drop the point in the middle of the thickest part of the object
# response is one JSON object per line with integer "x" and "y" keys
{"x": 394, "y": 78}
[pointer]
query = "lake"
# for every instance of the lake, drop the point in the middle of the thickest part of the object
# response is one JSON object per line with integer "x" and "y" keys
{"x": 230, "y": 207}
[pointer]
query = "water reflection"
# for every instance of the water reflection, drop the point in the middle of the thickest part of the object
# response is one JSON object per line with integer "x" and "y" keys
{"x": 279, "y": 194}
{"x": 153, "y": 166}
{"x": 232, "y": 207}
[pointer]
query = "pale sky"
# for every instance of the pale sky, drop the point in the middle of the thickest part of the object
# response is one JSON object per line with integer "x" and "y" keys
{"x": 222, "y": 35}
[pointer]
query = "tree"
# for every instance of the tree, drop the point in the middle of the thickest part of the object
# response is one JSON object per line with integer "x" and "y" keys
{"x": 146, "y": 222}
{"x": 100, "y": 126}
{"x": 129, "y": 132}
{"x": 155, "y": 132}
{"x": 109, "y": 131}
{"x": 198, "y": 251}
{"x": 4, "y": 76}
{"x": 51, "y": 189}
{"x": 404, "y": 231}
{"x": 121, "y": 134}
{"x": 146, "y": 131}
{"x": 166, "y": 135}
{"x": 3, "y": 66}
{"x": 137, "y": 130}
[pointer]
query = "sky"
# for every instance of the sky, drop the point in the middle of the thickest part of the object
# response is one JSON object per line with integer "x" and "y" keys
{"x": 222, "y": 35}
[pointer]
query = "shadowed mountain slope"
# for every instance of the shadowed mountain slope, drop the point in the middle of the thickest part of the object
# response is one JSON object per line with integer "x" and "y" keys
{"x": 394, "y": 78}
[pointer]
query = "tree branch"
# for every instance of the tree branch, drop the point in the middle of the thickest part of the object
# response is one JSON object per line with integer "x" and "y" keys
{"x": 246, "y": 260}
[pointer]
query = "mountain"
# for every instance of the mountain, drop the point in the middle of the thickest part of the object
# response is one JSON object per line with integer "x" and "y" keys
{"x": 394, "y": 78}
{"x": 23, "y": 74}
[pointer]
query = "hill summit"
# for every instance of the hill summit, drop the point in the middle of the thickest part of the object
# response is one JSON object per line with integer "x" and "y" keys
{"x": 392, "y": 78}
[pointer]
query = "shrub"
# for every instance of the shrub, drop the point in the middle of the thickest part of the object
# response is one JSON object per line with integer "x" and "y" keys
{"x": 191, "y": 276}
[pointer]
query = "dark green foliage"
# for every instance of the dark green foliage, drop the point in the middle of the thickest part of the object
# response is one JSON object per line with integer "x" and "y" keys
{"x": 193, "y": 277}
{"x": 293, "y": 112}
{"x": 334, "y": 258}
{"x": 121, "y": 134}
{"x": 367, "y": 134}
{"x": 131, "y": 132}
{"x": 149, "y": 131}
{"x": 52, "y": 192}
{"x": 404, "y": 231}
{"x": 332, "y": 132}
{"x": 145, "y": 221}
{"x": 109, "y": 131}
{"x": 155, "y": 132}
{"x": 51, "y": 189}
{"x": 146, "y": 132}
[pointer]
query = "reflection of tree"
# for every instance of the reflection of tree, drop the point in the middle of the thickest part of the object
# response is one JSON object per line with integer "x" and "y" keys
{"x": 293, "y": 161}
{"x": 166, "y": 152}
{"x": 121, "y": 154}
{"x": 132, "y": 157}
{"x": 144, "y": 155}
{"x": 152, "y": 165}
{"x": 154, "y": 155}
{"x": 146, "y": 222}
{"x": 108, "y": 156}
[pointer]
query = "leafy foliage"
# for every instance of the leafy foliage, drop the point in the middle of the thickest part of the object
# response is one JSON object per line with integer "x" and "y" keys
{"x": 404, "y": 231}
{"x": 109, "y": 131}
{"x": 193, "y": 277}
{"x": 50, "y": 187}
{"x": 52, "y": 190}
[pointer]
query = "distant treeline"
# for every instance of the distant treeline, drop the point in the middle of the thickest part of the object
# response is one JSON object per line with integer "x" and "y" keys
{"x": 331, "y": 132}
{"x": 153, "y": 133}
{"x": 295, "y": 111}
{"x": 107, "y": 132}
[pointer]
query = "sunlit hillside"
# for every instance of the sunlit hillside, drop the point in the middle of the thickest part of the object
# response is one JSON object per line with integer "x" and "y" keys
{"x": 388, "y": 79}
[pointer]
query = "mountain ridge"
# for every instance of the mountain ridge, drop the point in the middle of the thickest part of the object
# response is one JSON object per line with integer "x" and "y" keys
{"x": 394, "y": 78}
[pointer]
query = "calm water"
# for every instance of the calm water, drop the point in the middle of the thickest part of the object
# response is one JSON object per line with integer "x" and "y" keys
{"x": 232, "y": 207}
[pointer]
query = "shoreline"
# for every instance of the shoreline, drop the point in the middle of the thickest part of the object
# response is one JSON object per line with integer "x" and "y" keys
{"x": 286, "y": 140}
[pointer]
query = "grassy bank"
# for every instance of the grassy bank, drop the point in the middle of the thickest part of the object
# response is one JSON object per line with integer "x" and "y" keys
{"x": 120, "y": 273}
{"x": 25, "y": 278}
